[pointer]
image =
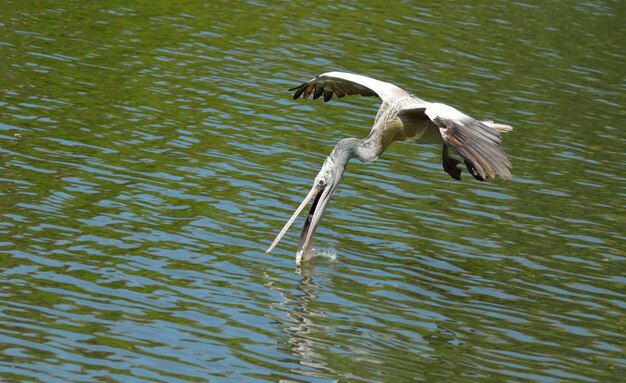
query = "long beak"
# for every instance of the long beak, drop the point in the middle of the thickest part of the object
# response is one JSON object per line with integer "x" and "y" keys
{"x": 314, "y": 190}
{"x": 320, "y": 197}
{"x": 310, "y": 224}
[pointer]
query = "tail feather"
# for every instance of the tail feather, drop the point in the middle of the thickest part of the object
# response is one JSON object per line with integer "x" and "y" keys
{"x": 499, "y": 127}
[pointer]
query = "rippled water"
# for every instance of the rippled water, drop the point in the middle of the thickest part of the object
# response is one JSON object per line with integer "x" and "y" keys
{"x": 150, "y": 152}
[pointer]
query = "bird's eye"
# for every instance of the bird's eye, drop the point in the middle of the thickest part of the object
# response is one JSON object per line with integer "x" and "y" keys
{"x": 321, "y": 182}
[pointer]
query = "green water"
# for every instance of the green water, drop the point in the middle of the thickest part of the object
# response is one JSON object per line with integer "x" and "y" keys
{"x": 149, "y": 153}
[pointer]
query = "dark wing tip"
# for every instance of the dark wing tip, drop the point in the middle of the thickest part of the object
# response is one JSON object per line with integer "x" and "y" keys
{"x": 472, "y": 169}
{"x": 450, "y": 164}
{"x": 317, "y": 91}
{"x": 307, "y": 88}
{"x": 304, "y": 88}
{"x": 478, "y": 145}
{"x": 328, "y": 94}
{"x": 330, "y": 85}
{"x": 299, "y": 90}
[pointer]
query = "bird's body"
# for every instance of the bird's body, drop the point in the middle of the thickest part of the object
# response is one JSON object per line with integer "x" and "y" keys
{"x": 401, "y": 117}
{"x": 389, "y": 126}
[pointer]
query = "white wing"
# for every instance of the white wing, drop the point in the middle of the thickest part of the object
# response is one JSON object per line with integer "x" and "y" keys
{"x": 475, "y": 141}
{"x": 342, "y": 84}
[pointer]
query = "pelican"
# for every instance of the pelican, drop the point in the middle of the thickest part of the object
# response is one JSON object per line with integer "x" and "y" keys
{"x": 401, "y": 117}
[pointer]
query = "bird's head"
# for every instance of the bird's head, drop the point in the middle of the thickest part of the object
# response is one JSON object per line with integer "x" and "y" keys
{"x": 323, "y": 189}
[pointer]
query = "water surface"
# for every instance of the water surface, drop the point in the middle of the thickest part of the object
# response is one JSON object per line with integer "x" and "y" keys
{"x": 150, "y": 152}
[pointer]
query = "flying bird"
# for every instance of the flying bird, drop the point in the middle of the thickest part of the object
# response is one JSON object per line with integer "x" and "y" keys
{"x": 401, "y": 117}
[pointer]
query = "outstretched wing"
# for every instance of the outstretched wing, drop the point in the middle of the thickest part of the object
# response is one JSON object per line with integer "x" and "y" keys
{"x": 342, "y": 84}
{"x": 478, "y": 143}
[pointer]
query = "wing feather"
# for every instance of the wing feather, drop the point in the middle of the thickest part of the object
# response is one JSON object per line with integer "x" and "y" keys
{"x": 474, "y": 141}
{"x": 342, "y": 84}
{"x": 328, "y": 94}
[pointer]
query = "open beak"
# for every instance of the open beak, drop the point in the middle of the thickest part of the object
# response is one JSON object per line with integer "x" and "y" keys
{"x": 320, "y": 196}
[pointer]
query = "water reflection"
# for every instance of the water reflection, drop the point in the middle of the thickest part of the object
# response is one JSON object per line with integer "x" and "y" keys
{"x": 302, "y": 329}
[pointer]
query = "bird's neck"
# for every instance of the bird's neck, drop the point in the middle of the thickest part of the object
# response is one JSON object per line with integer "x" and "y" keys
{"x": 365, "y": 149}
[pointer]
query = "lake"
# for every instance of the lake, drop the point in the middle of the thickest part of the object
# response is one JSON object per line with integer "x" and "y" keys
{"x": 150, "y": 152}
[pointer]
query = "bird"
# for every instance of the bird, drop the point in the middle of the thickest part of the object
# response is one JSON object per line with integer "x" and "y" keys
{"x": 401, "y": 117}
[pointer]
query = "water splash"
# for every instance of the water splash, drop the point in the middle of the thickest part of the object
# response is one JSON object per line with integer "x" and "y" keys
{"x": 327, "y": 253}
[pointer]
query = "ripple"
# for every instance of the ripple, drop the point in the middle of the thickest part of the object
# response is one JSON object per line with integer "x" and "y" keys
{"x": 150, "y": 154}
